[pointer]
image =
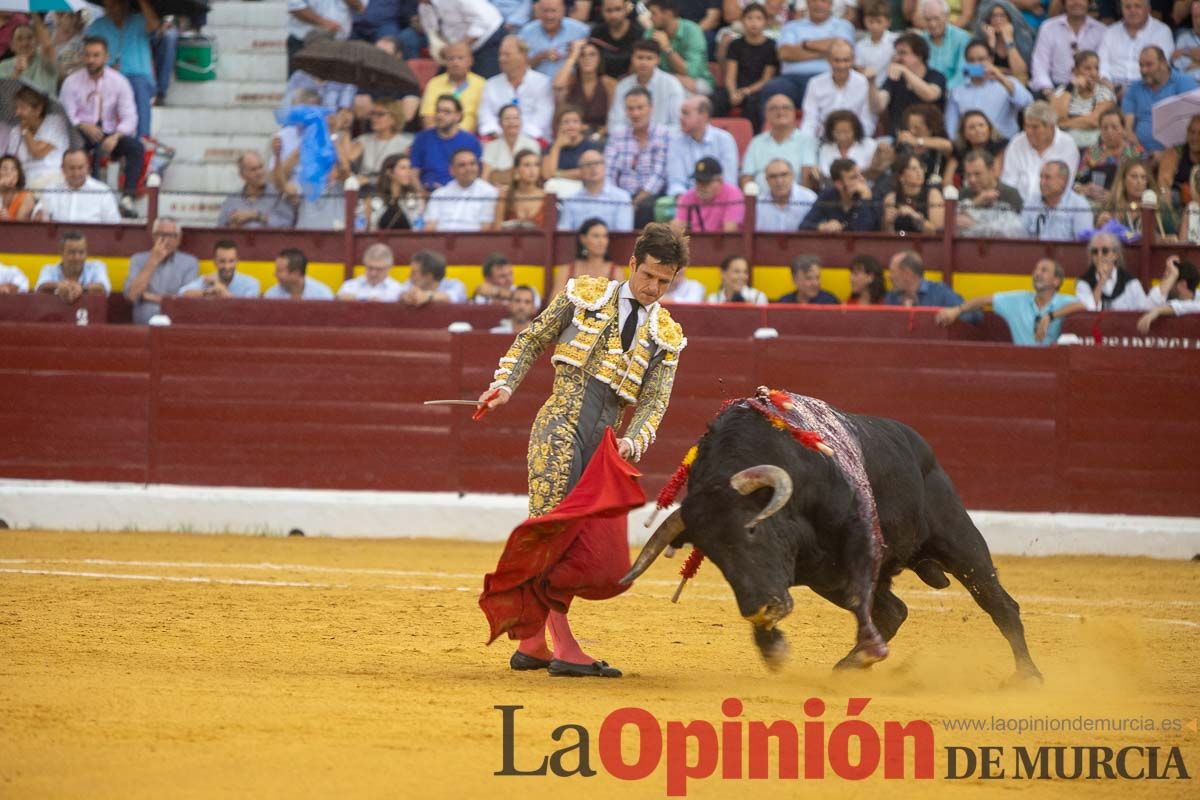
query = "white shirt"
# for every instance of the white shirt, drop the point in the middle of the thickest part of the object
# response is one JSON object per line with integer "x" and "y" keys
{"x": 1132, "y": 298}
{"x": 1155, "y": 298}
{"x": 454, "y": 207}
{"x": 52, "y": 131}
{"x": 14, "y": 276}
{"x": 769, "y": 217}
{"x": 876, "y": 55}
{"x": 386, "y": 291}
{"x": 750, "y": 294}
{"x": 92, "y": 202}
{"x": 456, "y": 20}
{"x": 1023, "y": 166}
{"x": 823, "y": 96}
{"x": 1119, "y": 51}
{"x": 861, "y": 153}
{"x": 688, "y": 291}
{"x": 336, "y": 10}
{"x": 453, "y": 288}
{"x": 666, "y": 96}
{"x": 535, "y": 98}
{"x": 624, "y": 295}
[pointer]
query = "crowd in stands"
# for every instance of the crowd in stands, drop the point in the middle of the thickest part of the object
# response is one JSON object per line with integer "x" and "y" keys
{"x": 864, "y": 116}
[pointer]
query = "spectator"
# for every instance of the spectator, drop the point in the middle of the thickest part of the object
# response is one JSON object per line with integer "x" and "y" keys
{"x": 551, "y": 37}
{"x": 1175, "y": 294}
{"x": 285, "y": 143}
{"x": 1186, "y": 55}
{"x": 466, "y": 203}
{"x": 515, "y": 13}
{"x": 474, "y": 22}
{"x": 591, "y": 257}
{"x": 987, "y": 207}
{"x": 1159, "y": 82}
{"x": 663, "y": 91}
{"x": 989, "y": 90}
{"x": 226, "y": 282}
{"x": 636, "y": 155}
{"x": 751, "y": 61}
{"x": 497, "y": 286}
{"x": 258, "y": 204}
{"x": 1080, "y": 104}
{"x": 401, "y": 195}
{"x": 68, "y": 41}
{"x": 1040, "y": 143}
{"x": 457, "y": 80}
{"x": 1107, "y": 285}
{"x": 1001, "y": 37}
{"x": 160, "y": 271}
{"x": 78, "y": 198}
{"x": 684, "y": 289}
{"x": 522, "y": 308}
{"x": 782, "y": 139}
{"x": 16, "y": 204}
{"x": 846, "y": 206}
{"x": 735, "y": 282}
{"x": 385, "y": 139}
{"x": 909, "y": 81}
{"x": 867, "y": 286}
{"x": 1059, "y": 41}
{"x": 947, "y": 43}
{"x": 520, "y": 86}
{"x": 705, "y": 13}
{"x": 924, "y": 136}
{"x": 39, "y": 139}
{"x": 100, "y": 103}
{"x": 684, "y": 46}
{"x": 839, "y": 89}
{"x": 913, "y": 206}
{"x": 292, "y": 282}
{"x": 330, "y": 94}
{"x": 12, "y": 280}
{"x": 803, "y": 49}
{"x": 843, "y": 137}
{"x": 329, "y": 17}
{"x": 697, "y": 139}
{"x": 427, "y": 282}
{"x": 374, "y": 284}
{"x": 616, "y": 36}
{"x": 582, "y": 85}
{"x": 521, "y": 204}
{"x": 786, "y": 203}
{"x": 499, "y": 153}
{"x": 909, "y": 287}
{"x": 1098, "y": 169}
{"x": 712, "y": 205}
{"x": 395, "y": 19}
{"x": 431, "y": 149}
{"x": 873, "y": 52}
{"x": 976, "y": 132}
{"x": 1190, "y": 227}
{"x": 126, "y": 36}
{"x": 560, "y": 167}
{"x": 1033, "y": 317}
{"x": 9, "y": 22}
{"x": 1124, "y": 41}
{"x": 75, "y": 274}
{"x": 806, "y": 275}
{"x": 1056, "y": 213}
{"x": 33, "y": 60}
{"x": 598, "y": 199}
{"x": 1124, "y": 204}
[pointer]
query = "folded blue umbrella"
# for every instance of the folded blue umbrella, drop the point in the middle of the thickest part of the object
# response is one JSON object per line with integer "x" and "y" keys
{"x": 317, "y": 156}
{"x": 1122, "y": 233}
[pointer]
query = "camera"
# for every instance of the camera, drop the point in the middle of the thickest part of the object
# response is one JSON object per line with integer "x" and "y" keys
{"x": 974, "y": 70}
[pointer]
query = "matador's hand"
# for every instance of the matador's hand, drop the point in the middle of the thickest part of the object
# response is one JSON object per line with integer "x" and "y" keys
{"x": 625, "y": 449}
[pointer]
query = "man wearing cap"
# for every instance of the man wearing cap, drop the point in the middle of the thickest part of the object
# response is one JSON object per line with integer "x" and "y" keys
{"x": 712, "y": 205}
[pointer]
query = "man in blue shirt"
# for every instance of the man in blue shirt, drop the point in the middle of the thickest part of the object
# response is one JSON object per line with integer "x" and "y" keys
{"x": 947, "y": 43}
{"x": 806, "y": 276}
{"x": 128, "y": 35}
{"x": 906, "y": 273}
{"x": 1034, "y": 318}
{"x": 598, "y": 199}
{"x": 846, "y": 206}
{"x": 1057, "y": 213}
{"x": 697, "y": 138}
{"x": 1158, "y": 82}
{"x": 803, "y": 47}
{"x": 550, "y": 36}
{"x": 291, "y": 268}
{"x": 226, "y": 281}
{"x": 74, "y": 275}
{"x": 433, "y": 147}
{"x": 1000, "y": 97}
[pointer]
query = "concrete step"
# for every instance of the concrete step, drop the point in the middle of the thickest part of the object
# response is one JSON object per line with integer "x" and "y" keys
{"x": 222, "y": 94}
{"x": 170, "y": 121}
{"x": 190, "y": 209}
{"x": 249, "y": 15}
{"x": 248, "y": 40}
{"x": 252, "y": 66}
{"x": 220, "y": 179}
{"x": 216, "y": 148}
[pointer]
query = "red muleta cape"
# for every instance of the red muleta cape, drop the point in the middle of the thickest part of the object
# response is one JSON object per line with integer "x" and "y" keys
{"x": 581, "y": 548}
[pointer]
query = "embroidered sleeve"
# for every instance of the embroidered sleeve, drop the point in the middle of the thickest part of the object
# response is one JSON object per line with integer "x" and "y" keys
{"x": 652, "y": 402}
{"x": 531, "y": 342}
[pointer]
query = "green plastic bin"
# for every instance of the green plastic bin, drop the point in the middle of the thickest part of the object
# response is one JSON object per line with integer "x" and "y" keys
{"x": 196, "y": 59}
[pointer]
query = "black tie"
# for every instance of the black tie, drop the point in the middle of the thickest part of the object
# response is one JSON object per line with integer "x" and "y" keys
{"x": 630, "y": 326}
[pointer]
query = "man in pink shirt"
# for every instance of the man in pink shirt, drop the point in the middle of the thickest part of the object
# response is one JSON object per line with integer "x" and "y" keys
{"x": 713, "y": 205}
{"x": 99, "y": 102}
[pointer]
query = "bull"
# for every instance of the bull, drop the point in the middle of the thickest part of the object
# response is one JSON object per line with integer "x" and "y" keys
{"x": 772, "y": 513}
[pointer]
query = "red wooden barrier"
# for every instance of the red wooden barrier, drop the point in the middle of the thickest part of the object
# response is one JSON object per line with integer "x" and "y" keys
{"x": 316, "y": 313}
{"x": 40, "y": 307}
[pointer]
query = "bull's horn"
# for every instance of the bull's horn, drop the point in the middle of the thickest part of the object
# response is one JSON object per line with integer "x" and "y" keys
{"x": 749, "y": 480}
{"x": 671, "y": 527}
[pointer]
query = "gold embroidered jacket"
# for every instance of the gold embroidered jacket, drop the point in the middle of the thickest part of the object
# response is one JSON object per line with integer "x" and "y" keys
{"x": 583, "y": 321}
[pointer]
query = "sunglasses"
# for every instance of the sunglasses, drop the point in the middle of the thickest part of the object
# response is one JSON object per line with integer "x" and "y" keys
{"x": 1101, "y": 250}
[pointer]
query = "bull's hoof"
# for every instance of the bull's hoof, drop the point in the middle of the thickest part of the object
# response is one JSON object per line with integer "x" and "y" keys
{"x": 772, "y": 645}
{"x": 864, "y": 655}
{"x": 1025, "y": 677}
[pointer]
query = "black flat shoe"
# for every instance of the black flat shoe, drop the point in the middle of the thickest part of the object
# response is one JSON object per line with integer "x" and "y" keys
{"x": 520, "y": 661}
{"x": 597, "y": 669}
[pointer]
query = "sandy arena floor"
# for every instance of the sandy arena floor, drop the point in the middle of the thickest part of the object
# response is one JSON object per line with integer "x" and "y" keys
{"x": 155, "y": 665}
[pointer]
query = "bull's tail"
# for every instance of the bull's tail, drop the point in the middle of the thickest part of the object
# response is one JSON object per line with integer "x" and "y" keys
{"x": 931, "y": 573}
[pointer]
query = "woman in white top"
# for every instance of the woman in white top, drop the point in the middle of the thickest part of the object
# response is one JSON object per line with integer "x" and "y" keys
{"x": 39, "y": 140}
{"x": 1080, "y": 104}
{"x": 1107, "y": 285}
{"x": 735, "y": 284}
{"x": 499, "y": 152}
{"x": 844, "y": 138}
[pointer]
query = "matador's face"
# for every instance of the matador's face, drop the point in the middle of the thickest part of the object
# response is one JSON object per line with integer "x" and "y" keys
{"x": 650, "y": 280}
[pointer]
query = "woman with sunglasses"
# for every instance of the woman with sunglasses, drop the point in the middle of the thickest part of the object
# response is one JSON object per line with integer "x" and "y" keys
{"x": 1107, "y": 285}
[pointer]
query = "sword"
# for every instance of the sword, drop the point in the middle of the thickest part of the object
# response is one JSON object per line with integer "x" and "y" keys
{"x": 451, "y": 402}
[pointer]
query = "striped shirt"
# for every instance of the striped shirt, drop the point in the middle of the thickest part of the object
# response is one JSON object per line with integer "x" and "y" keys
{"x": 634, "y": 168}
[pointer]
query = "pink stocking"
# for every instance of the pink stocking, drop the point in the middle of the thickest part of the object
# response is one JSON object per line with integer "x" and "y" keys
{"x": 565, "y": 646}
{"x": 536, "y": 646}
